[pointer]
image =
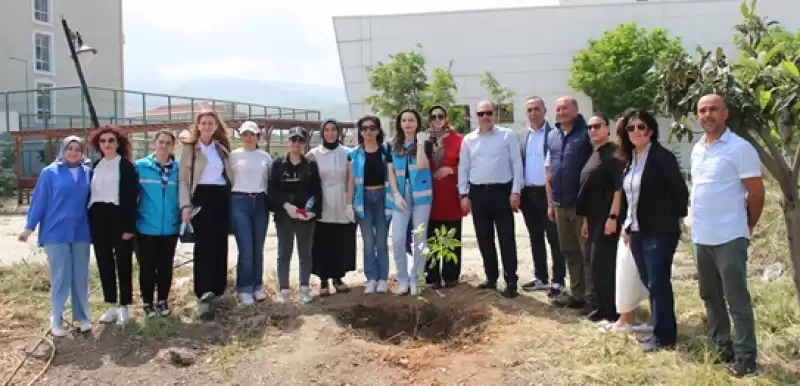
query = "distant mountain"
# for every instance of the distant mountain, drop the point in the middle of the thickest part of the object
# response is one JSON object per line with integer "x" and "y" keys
{"x": 330, "y": 100}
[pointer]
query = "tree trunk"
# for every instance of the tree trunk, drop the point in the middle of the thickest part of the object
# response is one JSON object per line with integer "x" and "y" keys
{"x": 791, "y": 214}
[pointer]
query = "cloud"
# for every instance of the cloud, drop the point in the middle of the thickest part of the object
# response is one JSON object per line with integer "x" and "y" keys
{"x": 265, "y": 40}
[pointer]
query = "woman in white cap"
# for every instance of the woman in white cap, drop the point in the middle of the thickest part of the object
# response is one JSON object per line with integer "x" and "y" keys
{"x": 250, "y": 212}
{"x": 334, "y": 249}
{"x": 58, "y": 207}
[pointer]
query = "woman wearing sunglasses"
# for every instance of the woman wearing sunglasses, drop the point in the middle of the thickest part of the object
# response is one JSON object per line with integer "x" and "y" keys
{"x": 445, "y": 146}
{"x": 657, "y": 198}
{"x": 371, "y": 197}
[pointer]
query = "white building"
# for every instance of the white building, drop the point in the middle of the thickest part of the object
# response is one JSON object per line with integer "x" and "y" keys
{"x": 529, "y": 49}
{"x": 35, "y": 56}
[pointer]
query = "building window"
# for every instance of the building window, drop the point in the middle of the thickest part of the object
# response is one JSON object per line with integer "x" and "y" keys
{"x": 505, "y": 113}
{"x": 43, "y": 52}
{"x": 44, "y": 100}
{"x": 42, "y": 11}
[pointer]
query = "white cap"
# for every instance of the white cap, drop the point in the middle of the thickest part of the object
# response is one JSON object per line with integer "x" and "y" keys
{"x": 249, "y": 126}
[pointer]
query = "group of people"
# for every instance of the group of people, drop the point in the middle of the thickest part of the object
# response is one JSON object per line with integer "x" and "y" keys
{"x": 586, "y": 194}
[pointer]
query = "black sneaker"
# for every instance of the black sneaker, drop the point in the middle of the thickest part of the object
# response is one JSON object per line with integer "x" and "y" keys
{"x": 163, "y": 308}
{"x": 488, "y": 285}
{"x": 148, "y": 310}
{"x": 340, "y": 286}
{"x": 451, "y": 284}
{"x": 595, "y": 316}
{"x": 569, "y": 302}
{"x": 555, "y": 291}
{"x": 725, "y": 355}
{"x": 536, "y": 285}
{"x": 743, "y": 368}
{"x": 510, "y": 292}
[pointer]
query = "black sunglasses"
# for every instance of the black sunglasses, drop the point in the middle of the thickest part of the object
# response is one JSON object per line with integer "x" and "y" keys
{"x": 485, "y": 113}
{"x": 437, "y": 117}
{"x": 297, "y": 139}
{"x": 639, "y": 127}
{"x": 368, "y": 128}
{"x": 107, "y": 140}
{"x": 595, "y": 126}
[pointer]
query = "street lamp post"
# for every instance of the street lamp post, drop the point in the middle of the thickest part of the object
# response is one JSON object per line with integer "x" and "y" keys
{"x": 26, "y": 88}
{"x": 82, "y": 53}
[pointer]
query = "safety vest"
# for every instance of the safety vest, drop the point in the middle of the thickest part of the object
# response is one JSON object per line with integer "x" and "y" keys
{"x": 420, "y": 179}
{"x": 358, "y": 160}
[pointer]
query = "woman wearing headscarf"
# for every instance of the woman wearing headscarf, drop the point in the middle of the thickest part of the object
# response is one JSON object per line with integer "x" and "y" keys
{"x": 333, "y": 253}
{"x": 58, "y": 207}
{"x": 112, "y": 219}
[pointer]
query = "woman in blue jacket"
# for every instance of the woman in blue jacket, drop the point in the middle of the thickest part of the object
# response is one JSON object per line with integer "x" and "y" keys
{"x": 158, "y": 221}
{"x": 58, "y": 207}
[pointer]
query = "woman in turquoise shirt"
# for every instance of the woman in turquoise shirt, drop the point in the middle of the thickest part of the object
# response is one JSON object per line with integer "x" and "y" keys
{"x": 58, "y": 207}
{"x": 158, "y": 221}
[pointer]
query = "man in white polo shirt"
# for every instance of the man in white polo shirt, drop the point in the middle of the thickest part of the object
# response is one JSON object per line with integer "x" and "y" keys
{"x": 727, "y": 200}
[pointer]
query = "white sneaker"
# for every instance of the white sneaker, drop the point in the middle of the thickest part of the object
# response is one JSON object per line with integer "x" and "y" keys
{"x": 110, "y": 316}
{"x": 413, "y": 290}
{"x": 246, "y": 299}
{"x": 86, "y": 327}
{"x": 259, "y": 295}
{"x": 123, "y": 316}
{"x": 57, "y": 329}
{"x": 285, "y": 296}
{"x": 383, "y": 287}
{"x": 402, "y": 288}
{"x": 370, "y": 288}
{"x": 305, "y": 296}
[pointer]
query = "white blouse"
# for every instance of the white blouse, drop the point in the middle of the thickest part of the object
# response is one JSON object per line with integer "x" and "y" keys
{"x": 212, "y": 174}
{"x": 251, "y": 170}
{"x": 632, "y": 184}
{"x": 105, "y": 182}
{"x": 333, "y": 174}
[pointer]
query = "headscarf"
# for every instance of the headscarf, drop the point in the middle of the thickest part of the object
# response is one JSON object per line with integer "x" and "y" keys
{"x": 330, "y": 145}
{"x": 64, "y": 143}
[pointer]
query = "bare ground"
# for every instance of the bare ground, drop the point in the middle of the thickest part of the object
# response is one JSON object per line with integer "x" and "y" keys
{"x": 461, "y": 336}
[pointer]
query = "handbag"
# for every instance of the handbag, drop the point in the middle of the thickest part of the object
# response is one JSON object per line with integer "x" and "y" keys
{"x": 187, "y": 231}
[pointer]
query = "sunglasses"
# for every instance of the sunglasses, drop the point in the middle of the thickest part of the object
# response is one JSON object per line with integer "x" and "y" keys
{"x": 639, "y": 127}
{"x": 595, "y": 126}
{"x": 297, "y": 139}
{"x": 437, "y": 117}
{"x": 485, "y": 113}
{"x": 369, "y": 128}
{"x": 107, "y": 140}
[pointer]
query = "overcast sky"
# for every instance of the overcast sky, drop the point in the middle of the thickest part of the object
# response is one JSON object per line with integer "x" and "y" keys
{"x": 267, "y": 40}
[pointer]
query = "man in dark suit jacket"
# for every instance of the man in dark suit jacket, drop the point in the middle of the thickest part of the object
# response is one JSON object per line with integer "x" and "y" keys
{"x": 533, "y": 147}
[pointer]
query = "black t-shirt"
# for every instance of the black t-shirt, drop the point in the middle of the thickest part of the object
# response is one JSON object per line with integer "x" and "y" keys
{"x": 600, "y": 178}
{"x": 374, "y": 167}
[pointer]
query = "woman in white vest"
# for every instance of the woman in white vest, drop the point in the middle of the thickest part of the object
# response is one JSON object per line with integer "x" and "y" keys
{"x": 333, "y": 252}
{"x": 411, "y": 182}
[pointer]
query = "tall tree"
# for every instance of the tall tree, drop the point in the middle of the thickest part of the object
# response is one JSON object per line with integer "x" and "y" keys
{"x": 402, "y": 82}
{"x": 499, "y": 95}
{"x": 614, "y": 71}
{"x": 762, "y": 91}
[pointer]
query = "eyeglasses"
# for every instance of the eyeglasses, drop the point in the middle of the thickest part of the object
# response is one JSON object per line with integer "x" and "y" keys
{"x": 368, "y": 128}
{"x": 639, "y": 127}
{"x": 297, "y": 139}
{"x": 107, "y": 140}
{"x": 595, "y": 126}
{"x": 485, "y": 113}
{"x": 530, "y": 110}
{"x": 437, "y": 117}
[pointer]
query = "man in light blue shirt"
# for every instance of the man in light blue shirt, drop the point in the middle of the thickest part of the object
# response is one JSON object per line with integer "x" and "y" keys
{"x": 489, "y": 182}
{"x": 533, "y": 148}
{"x": 727, "y": 200}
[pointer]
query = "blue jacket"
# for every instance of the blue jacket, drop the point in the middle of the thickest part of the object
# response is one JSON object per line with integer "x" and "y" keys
{"x": 421, "y": 179}
{"x": 159, "y": 212}
{"x": 58, "y": 205}
{"x": 568, "y": 155}
{"x": 358, "y": 159}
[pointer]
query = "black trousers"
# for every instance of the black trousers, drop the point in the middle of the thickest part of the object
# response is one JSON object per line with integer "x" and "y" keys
{"x": 603, "y": 254}
{"x": 113, "y": 254}
{"x": 333, "y": 252}
{"x": 534, "y": 211}
{"x": 211, "y": 226}
{"x": 156, "y": 256}
{"x": 491, "y": 207}
{"x": 448, "y": 271}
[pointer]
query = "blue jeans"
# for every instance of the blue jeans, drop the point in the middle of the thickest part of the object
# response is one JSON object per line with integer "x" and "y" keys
{"x": 249, "y": 219}
{"x": 653, "y": 254}
{"x": 375, "y": 230}
{"x": 414, "y": 216}
{"x": 69, "y": 277}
